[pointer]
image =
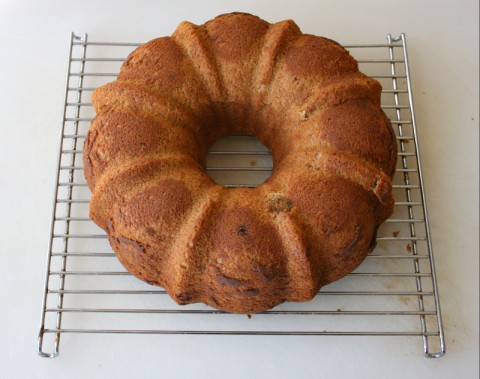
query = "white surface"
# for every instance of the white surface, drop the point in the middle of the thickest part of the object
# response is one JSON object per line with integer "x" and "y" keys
{"x": 443, "y": 47}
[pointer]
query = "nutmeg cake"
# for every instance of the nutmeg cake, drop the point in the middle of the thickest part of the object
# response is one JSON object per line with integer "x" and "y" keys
{"x": 241, "y": 250}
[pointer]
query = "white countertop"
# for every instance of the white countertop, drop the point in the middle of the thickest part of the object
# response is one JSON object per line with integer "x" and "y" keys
{"x": 443, "y": 47}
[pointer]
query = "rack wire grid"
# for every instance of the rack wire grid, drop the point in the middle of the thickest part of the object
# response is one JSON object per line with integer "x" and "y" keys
{"x": 393, "y": 293}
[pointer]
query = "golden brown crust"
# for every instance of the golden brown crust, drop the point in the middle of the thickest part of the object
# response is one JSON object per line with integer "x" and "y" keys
{"x": 241, "y": 250}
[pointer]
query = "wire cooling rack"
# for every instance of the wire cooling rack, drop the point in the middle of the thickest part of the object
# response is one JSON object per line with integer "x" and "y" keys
{"x": 393, "y": 293}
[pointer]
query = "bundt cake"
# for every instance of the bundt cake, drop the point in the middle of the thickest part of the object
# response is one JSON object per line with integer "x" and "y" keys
{"x": 241, "y": 250}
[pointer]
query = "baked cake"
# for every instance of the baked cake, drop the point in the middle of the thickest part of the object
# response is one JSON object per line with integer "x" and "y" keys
{"x": 241, "y": 250}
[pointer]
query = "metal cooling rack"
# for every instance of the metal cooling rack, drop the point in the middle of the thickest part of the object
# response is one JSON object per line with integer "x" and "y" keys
{"x": 393, "y": 293}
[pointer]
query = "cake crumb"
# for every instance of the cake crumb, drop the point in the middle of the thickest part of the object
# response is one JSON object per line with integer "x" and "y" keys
{"x": 395, "y": 233}
{"x": 249, "y": 316}
{"x": 253, "y": 163}
{"x": 339, "y": 310}
{"x": 409, "y": 248}
{"x": 303, "y": 115}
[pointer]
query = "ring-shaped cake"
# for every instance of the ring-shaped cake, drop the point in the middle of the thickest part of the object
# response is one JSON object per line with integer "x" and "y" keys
{"x": 240, "y": 249}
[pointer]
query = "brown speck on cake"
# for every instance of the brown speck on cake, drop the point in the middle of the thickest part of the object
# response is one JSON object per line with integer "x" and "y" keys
{"x": 242, "y": 230}
{"x": 279, "y": 203}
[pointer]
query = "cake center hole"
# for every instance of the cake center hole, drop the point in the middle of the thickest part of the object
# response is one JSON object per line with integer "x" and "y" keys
{"x": 239, "y": 161}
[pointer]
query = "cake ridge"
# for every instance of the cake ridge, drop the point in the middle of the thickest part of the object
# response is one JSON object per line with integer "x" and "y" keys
{"x": 162, "y": 104}
{"x": 352, "y": 167}
{"x": 298, "y": 265}
{"x": 235, "y": 41}
{"x": 272, "y": 47}
{"x": 351, "y": 88}
{"x": 187, "y": 240}
{"x": 106, "y": 187}
{"x": 205, "y": 55}
{"x": 110, "y": 153}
